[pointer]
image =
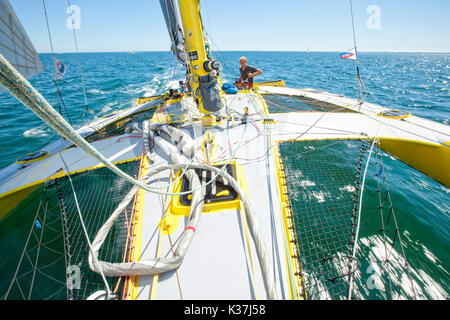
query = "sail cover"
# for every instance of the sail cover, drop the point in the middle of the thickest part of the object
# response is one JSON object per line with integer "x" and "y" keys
{"x": 173, "y": 21}
{"x": 15, "y": 45}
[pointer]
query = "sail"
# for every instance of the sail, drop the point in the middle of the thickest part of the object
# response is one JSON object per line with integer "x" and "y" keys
{"x": 15, "y": 45}
{"x": 174, "y": 26}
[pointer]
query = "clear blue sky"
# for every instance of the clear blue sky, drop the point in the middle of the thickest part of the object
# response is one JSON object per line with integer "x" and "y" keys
{"x": 266, "y": 25}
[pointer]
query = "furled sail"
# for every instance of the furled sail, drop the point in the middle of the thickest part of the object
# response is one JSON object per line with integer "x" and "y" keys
{"x": 15, "y": 45}
{"x": 174, "y": 26}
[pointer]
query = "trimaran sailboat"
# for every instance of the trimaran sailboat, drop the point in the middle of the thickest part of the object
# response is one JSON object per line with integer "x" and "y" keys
{"x": 199, "y": 193}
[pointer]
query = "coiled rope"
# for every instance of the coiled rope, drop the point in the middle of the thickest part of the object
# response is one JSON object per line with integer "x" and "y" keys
{"x": 18, "y": 86}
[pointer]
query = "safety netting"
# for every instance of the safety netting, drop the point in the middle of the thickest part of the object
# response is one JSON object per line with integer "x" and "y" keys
{"x": 44, "y": 250}
{"x": 323, "y": 183}
{"x": 284, "y": 103}
{"x": 54, "y": 261}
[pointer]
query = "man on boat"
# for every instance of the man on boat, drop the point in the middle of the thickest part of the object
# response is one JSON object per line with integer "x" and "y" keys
{"x": 247, "y": 74}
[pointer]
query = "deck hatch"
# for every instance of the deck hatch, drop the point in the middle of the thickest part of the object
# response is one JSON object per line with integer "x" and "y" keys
{"x": 217, "y": 191}
{"x": 220, "y": 196}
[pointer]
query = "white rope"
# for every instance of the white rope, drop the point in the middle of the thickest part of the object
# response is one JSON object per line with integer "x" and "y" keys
{"x": 156, "y": 266}
{"x": 17, "y": 85}
{"x": 359, "y": 221}
{"x": 360, "y": 82}
{"x": 50, "y": 37}
{"x": 23, "y": 254}
{"x": 91, "y": 249}
{"x": 23, "y": 90}
{"x": 79, "y": 63}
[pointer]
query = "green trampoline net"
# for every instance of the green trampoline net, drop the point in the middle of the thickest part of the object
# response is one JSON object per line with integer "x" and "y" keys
{"x": 54, "y": 263}
{"x": 44, "y": 251}
{"x": 283, "y": 103}
{"x": 323, "y": 184}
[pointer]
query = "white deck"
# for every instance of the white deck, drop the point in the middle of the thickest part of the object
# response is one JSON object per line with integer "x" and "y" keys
{"x": 414, "y": 128}
{"x": 218, "y": 263}
{"x": 14, "y": 176}
{"x": 115, "y": 149}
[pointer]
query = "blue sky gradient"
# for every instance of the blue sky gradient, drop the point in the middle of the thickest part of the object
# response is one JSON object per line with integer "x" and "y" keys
{"x": 252, "y": 25}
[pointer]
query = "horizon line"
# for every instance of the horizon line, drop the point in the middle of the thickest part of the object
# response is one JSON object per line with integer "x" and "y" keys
{"x": 293, "y": 51}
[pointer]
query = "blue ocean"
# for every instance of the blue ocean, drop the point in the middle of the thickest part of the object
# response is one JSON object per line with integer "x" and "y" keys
{"x": 414, "y": 82}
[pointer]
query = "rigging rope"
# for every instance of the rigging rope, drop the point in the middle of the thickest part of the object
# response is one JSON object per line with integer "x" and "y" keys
{"x": 396, "y": 227}
{"x": 49, "y": 36}
{"x": 159, "y": 265}
{"x": 55, "y": 79}
{"x": 350, "y": 290}
{"x": 108, "y": 290}
{"x": 22, "y": 89}
{"x": 152, "y": 266}
{"x": 79, "y": 64}
{"x": 59, "y": 95}
{"x": 358, "y": 75}
{"x": 23, "y": 254}
{"x": 18, "y": 86}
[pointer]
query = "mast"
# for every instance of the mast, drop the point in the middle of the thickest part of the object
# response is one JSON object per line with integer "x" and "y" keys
{"x": 202, "y": 71}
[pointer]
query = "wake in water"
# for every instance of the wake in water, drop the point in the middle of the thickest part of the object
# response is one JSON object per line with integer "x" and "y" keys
{"x": 381, "y": 274}
{"x": 37, "y": 132}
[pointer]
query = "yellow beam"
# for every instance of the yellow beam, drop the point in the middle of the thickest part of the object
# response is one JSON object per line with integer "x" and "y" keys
{"x": 277, "y": 83}
{"x": 193, "y": 34}
{"x": 295, "y": 273}
{"x": 132, "y": 282}
{"x": 143, "y": 100}
{"x": 430, "y": 159}
{"x": 9, "y": 200}
{"x": 7, "y": 204}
